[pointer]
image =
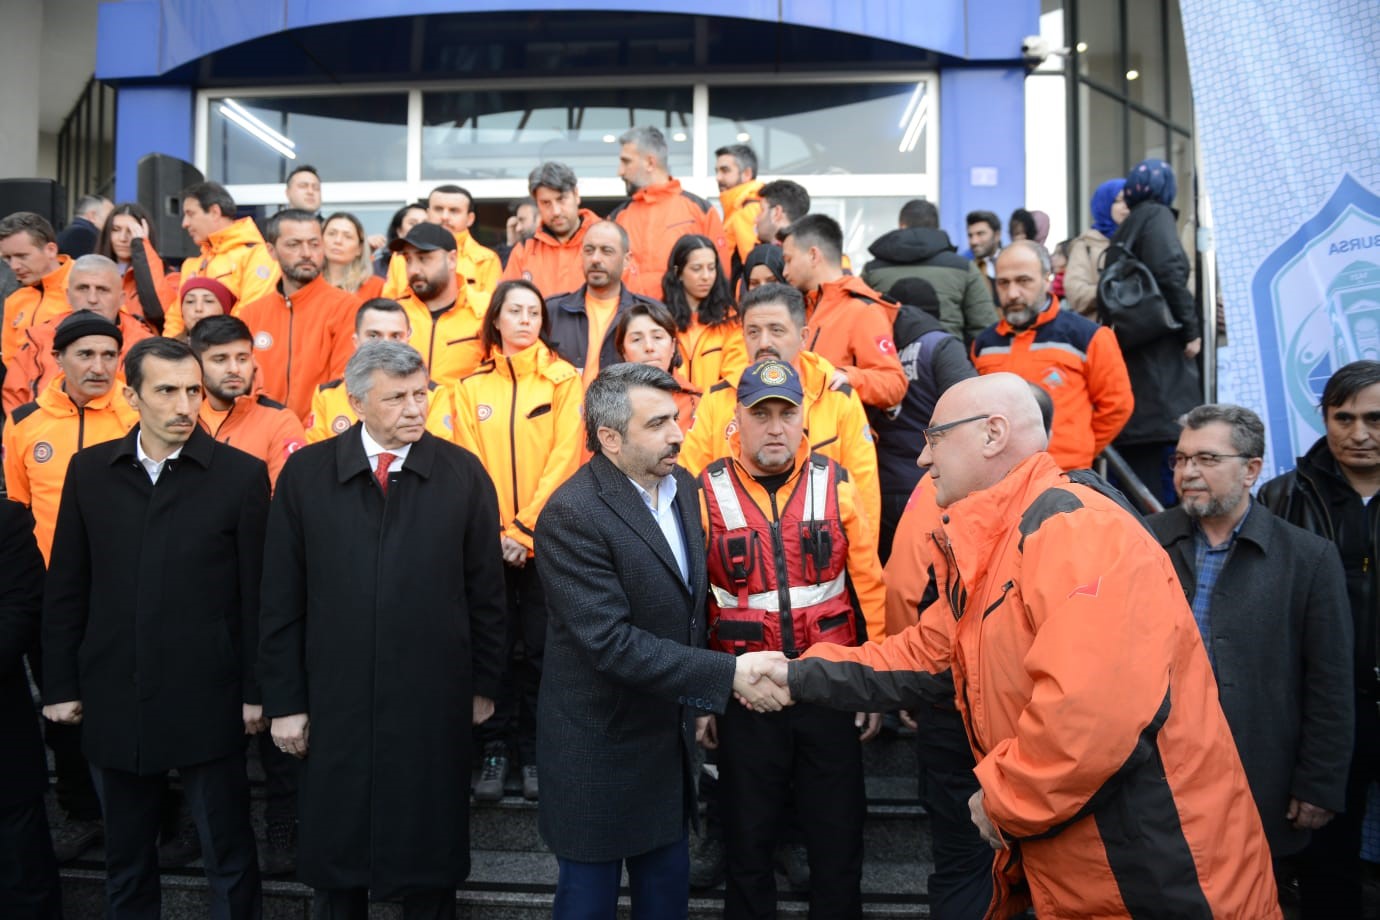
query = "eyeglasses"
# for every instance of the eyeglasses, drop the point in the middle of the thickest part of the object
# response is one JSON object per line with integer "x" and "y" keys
{"x": 1204, "y": 461}
{"x": 932, "y": 434}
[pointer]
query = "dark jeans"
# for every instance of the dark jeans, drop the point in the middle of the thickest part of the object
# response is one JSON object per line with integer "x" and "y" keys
{"x": 515, "y": 710}
{"x": 961, "y": 883}
{"x": 353, "y": 904}
{"x": 658, "y": 881}
{"x": 28, "y": 869}
{"x": 809, "y": 754}
{"x": 218, "y": 796}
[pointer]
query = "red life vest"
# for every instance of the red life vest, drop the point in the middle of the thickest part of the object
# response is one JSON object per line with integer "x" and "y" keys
{"x": 779, "y": 583}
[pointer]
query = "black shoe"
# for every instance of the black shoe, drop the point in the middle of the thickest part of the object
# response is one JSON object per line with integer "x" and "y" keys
{"x": 707, "y": 860}
{"x": 493, "y": 773}
{"x": 180, "y": 849}
{"x": 530, "y": 786}
{"x": 72, "y": 838}
{"x": 792, "y": 862}
{"x": 279, "y": 853}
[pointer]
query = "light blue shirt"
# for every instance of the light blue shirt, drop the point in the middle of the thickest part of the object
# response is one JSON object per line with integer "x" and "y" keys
{"x": 668, "y": 520}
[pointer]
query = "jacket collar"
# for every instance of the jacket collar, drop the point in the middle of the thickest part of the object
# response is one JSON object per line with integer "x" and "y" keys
{"x": 654, "y": 194}
{"x": 732, "y": 199}
{"x": 1044, "y": 317}
{"x": 1256, "y": 527}
{"x": 575, "y": 302}
{"x": 977, "y": 524}
{"x": 199, "y": 447}
{"x": 350, "y": 460}
{"x": 545, "y": 237}
{"x": 616, "y": 490}
{"x": 242, "y": 232}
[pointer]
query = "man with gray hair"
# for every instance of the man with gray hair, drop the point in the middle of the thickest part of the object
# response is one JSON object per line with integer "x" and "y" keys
{"x": 381, "y": 563}
{"x": 1270, "y": 601}
{"x": 550, "y": 258}
{"x": 88, "y": 217}
{"x": 658, "y": 211}
{"x": 627, "y": 683}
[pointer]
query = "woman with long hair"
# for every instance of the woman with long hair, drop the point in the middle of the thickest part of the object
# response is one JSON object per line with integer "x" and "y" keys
{"x": 403, "y": 220}
{"x": 696, "y": 292}
{"x": 646, "y": 334}
{"x": 128, "y": 239}
{"x": 347, "y": 256}
{"x": 520, "y": 414}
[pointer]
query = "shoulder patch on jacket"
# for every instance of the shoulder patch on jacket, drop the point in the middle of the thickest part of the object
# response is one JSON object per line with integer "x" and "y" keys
{"x": 23, "y": 412}
{"x": 1050, "y": 502}
{"x": 331, "y": 384}
{"x": 270, "y": 403}
{"x": 699, "y": 202}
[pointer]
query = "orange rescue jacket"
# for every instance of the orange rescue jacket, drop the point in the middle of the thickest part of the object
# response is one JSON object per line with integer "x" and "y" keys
{"x": 655, "y": 217}
{"x": 520, "y": 415}
{"x": 40, "y": 440}
{"x": 258, "y": 426}
{"x": 835, "y": 426}
{"x": 712, "y": 353}
{"x": 1105, "y": 761}
{"x": 850, "y": 324}
{"x": 741, "y": 207}
{"x": 554, "y": 267}
{"x": 449, "y": 343}
{"x": 34, "y": 305}
{"x": 477, "y": 268}
{"x": 35, "y": 367}
{"x": 332, "y": 414}
{"x": 301, "y": 341}
{"x": 238, "y": 258}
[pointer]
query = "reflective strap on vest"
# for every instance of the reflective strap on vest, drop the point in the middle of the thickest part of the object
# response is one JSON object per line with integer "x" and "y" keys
{"x": 726, "y": 497}
{"x": 808, "y": 596}
{"x": 817, "y": 499}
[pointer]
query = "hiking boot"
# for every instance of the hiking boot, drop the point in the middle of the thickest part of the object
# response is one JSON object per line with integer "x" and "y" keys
{"x": 792, "y": 862}
{"x": 707, "y": 861}
{"x": 530, "y": 787}
{"x": 279, "y": 853}
{"x": 179, "y": 849}
{"x": 493, "y": 773}
{"x": 72, "y": 838}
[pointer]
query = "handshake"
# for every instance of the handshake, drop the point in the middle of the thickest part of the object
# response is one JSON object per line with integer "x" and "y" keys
{"x": 759, "y": 682}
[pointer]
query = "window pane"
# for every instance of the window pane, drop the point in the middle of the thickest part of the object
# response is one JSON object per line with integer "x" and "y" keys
{"x": 1145, "y": 56}
{"x": 1099, "y": 43}
{"x": 506, "y": 134}
{"x": 1181, "y": 97}
{"x": 1102, "y": 145}
{"x": 809, "y": 129}
{"x": 352, "y": 138}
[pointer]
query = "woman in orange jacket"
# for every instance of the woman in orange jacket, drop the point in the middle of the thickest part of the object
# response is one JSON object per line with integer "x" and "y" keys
{"x": 128, "y": 240}
{"x": 646, "y": 334}
{"x": 520, "y": 414}
{"x": 695, "y": 290}
{"x": 347, "y": 257}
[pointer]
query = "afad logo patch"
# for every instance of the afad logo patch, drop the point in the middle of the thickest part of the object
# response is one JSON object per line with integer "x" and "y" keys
{"x": 730, "y": 429}
{"x": 263, "y": 341}
{"x": 885, "y": 345}
{"x": 340, "y": 424}
{"x": 43, "y": 452}
{"x": 484, "y": 412}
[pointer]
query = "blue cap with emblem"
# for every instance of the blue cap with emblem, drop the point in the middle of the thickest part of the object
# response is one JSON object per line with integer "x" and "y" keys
{"x": 770, "y": 379}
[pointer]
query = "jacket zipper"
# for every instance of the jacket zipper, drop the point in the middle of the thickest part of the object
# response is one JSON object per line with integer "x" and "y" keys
{"x": 81, "y": 427}
{"x": 288, "y": 387}
{"x": 512, "y": 434}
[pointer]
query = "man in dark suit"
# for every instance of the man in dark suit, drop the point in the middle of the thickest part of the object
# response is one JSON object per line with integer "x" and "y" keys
{"x": 149, "y": 630}
{"x": 626, "y": 671}
{"x": 383, "y": 628}
{"x": 1270, "y": 600}
{"x": 28, "y": 869}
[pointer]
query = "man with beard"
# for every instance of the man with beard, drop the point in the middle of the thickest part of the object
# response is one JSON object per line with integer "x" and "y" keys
{"x": 1077, "y": 362}
{"x": 773, "y": 317}
{"x": 477, "y": 268}
{"x": 550, "y": 258}
{"x": 301, "y": 330}
{"x": 735, "y": 170}
{"x": 1270, "y": 601}
{"x": 658, "y": 211}
{"x": 445, "y": 315}
{"x": 984, "y": 244}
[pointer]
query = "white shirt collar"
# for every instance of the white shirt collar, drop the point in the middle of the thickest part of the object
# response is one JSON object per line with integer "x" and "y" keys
{"x": 372, "y": 448}
{"x": 665, "y": 492}
{"x": 154, "y": 467}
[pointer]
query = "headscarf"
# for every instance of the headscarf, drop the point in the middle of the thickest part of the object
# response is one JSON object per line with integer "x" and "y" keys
{"x": 768, "y": 254}
{"x": 1150, "y": 180}
{"x": 1102, "y": 201}
{"x": 1041, "y": 226}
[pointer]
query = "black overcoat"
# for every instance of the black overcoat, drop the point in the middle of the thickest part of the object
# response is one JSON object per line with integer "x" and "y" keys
{"x": 625, "y": 670}
{"x": 149, "y": 615}
{"x": 382, "y": 618}
{"x": 25, "y": 772}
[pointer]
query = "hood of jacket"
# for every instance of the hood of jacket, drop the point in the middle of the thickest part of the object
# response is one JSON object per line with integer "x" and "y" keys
{"x": 242, "y": 232}
{"x": 911, "y": 245}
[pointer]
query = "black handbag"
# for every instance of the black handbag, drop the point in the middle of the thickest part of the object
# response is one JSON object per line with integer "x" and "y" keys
{"x": 1129, "y": 299}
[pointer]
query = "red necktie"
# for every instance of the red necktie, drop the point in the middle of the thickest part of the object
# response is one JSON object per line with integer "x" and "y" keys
{"x": 381, "y": 471}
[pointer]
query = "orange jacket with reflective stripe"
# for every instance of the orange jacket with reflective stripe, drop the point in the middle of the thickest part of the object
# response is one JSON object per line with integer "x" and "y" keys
{"x": 835, "y": 426}
{"x": 258, "y": 426}
{"x": 301, "y": 341}
{"x": 332, "y": 414}
{"x": 655, "y": 217}
{"x": 238, "y": 258}
{"x": 850, "y": 324}
{"x": 33, "y": 305}
{"x": 40, "y": 440}
{"x": 741, "y": 208}
{"x": 34, "y": 367}
{"x": 520, "y": 415}
{"x": 554, "y": 267}
{"x": 712, "y": 353}
{"x": 1104, "y": 757}
{"x": 477, "y": 268}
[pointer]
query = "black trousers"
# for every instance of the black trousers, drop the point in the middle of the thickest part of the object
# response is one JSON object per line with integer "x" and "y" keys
{"x": 353, "y": 904}
{"x": 813, "y": 755}
{"x": 1329, "y": 868}
{"x": 218, "y": 796}
{"x": 515, "y": 711}
{"x": 28, "y": 870}
{"x": 960, "y": 886}
{"x": 893, "y": 505}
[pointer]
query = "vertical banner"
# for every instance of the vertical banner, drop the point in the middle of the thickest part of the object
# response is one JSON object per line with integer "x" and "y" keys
{"x": 1290, "y": 145}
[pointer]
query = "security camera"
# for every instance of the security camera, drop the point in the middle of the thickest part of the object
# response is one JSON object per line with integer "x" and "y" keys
{"x": 1035, "y": 49}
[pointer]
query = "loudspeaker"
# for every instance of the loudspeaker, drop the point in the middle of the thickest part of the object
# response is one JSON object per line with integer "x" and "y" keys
{"x": 42, "y": 196}
{"x": 161, "y": 181}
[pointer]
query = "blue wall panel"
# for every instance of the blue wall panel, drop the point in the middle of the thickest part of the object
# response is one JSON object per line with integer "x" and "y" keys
{"x": 981, "y": 127}
{"x": 152, "y": 119}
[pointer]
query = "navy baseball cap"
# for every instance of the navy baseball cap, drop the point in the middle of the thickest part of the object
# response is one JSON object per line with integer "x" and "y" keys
{"x": 770, "y": 379}
{"x": 427, "y": 237}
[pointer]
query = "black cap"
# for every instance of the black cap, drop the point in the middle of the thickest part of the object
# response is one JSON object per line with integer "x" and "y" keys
{"x": 426, "y": 237}
{"x": 83, "y": 323}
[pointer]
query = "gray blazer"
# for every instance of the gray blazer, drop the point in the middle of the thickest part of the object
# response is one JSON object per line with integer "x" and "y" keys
{"x": 625, "y": 668}
{"x": 1281, "y": 644}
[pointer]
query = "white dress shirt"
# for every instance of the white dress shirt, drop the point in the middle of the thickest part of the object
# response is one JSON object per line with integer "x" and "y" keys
{"x": 372, "y": 451}
{"x": 666, "y": 517}
{"x": 153, "y": 467}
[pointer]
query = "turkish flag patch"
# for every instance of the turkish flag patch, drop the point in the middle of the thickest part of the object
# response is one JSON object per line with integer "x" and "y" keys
{"x": 885, "y": 345}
